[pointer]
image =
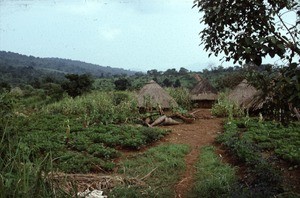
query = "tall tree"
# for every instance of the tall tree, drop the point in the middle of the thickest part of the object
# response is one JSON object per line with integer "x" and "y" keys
{"x": 167, "y": 82}
{"x": 183, "y": 71}
{"x": 77, "y": 84}
{"x": 248, "y": 30}
{"x": 153, "y": 72}
{"x": 170, "y": 72}
{"x": 122, "y": 84}
{"x": 177, "y": 83}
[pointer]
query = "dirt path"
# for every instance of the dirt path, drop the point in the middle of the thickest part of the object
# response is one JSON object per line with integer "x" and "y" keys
{"x": 200, "y": 133}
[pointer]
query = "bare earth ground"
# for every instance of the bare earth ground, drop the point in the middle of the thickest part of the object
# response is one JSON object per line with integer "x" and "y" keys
{"x": 200, "y": 133}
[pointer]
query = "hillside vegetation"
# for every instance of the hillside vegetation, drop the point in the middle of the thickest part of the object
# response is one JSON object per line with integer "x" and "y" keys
{"x": 17, "y": 68}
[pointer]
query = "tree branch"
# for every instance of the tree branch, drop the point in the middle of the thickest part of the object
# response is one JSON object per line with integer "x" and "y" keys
{"x": 287, "y": 29}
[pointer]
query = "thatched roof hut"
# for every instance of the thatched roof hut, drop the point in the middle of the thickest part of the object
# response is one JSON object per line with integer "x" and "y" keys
{"x": 204, "y": 94}
{"x": 152, "y": 95}
{"x": 245, "y": 96}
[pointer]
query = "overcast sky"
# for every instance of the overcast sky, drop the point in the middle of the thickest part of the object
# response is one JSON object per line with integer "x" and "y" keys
{"x": 132, "y": 34}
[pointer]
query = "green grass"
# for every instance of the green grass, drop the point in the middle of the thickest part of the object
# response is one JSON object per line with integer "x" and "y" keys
{"x": 165, "y": 163}
{"x": 213, "y": 178}
{"x": 98, "y": 107}
{"x": 20, "y": 176}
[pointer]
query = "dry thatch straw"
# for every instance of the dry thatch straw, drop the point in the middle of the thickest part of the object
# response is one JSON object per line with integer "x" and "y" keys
{"x": 245, "y": 96}
{"x": 152, "y": 95}
{"x": 81, "y": 182}
{"x": 203, "y": 91}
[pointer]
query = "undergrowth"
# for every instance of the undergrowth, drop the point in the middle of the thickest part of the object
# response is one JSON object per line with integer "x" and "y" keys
{"x": 181, "y": 96}
{"x": 98, "y": 107}
{"x": 19, "y": 175}
{"x": 226, "y": 108}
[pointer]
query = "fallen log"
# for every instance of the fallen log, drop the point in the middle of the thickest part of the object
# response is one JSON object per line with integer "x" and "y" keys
{"x": 170, "y": 121}
{"x": 185, "y": 119}
{"x": 158, "y": 121}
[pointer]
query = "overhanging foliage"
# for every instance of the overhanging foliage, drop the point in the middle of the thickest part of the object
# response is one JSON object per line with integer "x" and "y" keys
{"x": 249, "y": 29}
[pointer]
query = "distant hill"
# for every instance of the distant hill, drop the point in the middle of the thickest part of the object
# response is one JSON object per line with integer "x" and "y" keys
{"x": 14, "y": 61}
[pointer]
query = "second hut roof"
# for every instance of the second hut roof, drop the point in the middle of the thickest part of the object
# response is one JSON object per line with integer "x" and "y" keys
{"x": 243, "y": 94}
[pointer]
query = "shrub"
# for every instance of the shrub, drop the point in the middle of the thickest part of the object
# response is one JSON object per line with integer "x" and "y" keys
{"x": 99, "y": 107}
{"x": 77, "y": 84}
{"x": 73, "y": 162}
{"x": 20, "y": 176}
{"x": 100, "y": 151}
{"x": 119, "y": 97}
{"x": 181, "y": 96}
{"x": 225, "y": 108}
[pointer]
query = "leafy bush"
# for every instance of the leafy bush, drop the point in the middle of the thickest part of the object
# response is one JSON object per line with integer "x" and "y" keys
{"x": 73, "y": 162}
{"x": 284, "y": 80}
{"x": 20, "y": 175}
{"x": 77, "y": 84}
{"x": 108, "y": 138}
{"x": 225, "y": 108}
{"x": 285, "y": 141}
{"x": 119, "y": 97}
{"x": 152, "y": 134}
{"x": 181, "y": 96}
{"x": 100, "y": 151}
{"x": 98, "y": 107}
{"x": 80, "y": 142}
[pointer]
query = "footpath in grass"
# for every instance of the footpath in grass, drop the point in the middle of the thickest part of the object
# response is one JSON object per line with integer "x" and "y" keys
{"x": 213, "y": 178}
{"x": 267, "y": 152}
{"x": 200, "y": 133}
{"x": 159, "y": 168}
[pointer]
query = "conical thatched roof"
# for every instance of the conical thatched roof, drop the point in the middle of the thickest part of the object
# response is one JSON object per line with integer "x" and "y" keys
{"x": 244, "y": 94}
{"x": 152, "y": 94}
{"x": 203, "y": 91}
